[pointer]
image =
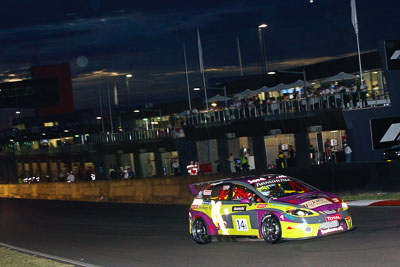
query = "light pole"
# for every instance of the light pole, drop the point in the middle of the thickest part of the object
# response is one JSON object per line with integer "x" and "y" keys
{"x": 127, "y": 77}
{"x": 101, "y": 108}
{"x": 109, "y": 106}
{"x": 187, "y": 76}
{"x": 261, "y": 40}
{"x": 215, "y": 88}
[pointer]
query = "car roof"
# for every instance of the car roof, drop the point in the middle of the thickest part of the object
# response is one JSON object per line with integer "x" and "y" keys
{"x": 247, "y": 180}
{"x": 254, "y": 179}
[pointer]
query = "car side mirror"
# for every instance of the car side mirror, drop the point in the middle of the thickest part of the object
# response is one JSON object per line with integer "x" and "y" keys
{"x": 245, "y": 201}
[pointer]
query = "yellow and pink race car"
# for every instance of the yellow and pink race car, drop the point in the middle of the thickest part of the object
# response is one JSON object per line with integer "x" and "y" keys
{"x": 270, "y": 207}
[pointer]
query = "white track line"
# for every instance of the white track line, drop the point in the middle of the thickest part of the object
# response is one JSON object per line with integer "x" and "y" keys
{"x": 362, "y": 202}
{"x": 48, "y": 256}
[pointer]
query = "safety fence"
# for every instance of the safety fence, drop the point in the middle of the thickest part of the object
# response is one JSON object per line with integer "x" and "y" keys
{"x": 278, "y": 108}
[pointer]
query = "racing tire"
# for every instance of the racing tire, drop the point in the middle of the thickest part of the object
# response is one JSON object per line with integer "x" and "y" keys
{"x": 199, "y": 232}
{"x": 271, "y": 229}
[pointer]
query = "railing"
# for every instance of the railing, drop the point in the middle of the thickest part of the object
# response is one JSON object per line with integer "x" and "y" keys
{"x": 267, "y": 109}
{"x": 98, "y": 138}
{"x": 278, "y": 108}
{"x": 128, "y": 136}
{"x": 78, "y": 148}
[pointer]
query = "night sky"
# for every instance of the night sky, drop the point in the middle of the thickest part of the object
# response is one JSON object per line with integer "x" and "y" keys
{"x": 104, "y": 38}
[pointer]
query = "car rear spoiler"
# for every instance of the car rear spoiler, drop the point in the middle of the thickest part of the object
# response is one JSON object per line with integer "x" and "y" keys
{"x": 195, "y": 191}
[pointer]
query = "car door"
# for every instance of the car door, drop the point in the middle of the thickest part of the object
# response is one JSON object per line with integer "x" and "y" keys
{"x": 219, "y": 197}
{"x": 242, "y": 217}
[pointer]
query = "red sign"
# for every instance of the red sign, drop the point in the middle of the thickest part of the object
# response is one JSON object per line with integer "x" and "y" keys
{"x": 207, "y": 192}
{"x": 333, "y": 218}
{"x": 61, "y": 72}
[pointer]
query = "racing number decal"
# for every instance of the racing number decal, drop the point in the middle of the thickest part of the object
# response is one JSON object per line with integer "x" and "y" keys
{"x": 241, "y": 225}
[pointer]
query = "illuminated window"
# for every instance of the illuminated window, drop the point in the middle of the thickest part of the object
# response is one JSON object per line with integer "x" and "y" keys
{"x": 20, "y": 126}
{"x": 50, "y": 124}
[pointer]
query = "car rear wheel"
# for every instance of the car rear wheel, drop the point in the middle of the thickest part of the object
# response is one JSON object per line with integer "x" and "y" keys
{"x": 199, "y": 232}
{"x": 271, "y": 229}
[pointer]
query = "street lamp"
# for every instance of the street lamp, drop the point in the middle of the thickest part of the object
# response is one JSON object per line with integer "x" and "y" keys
{"x": 155, "y": 110}
{"x": 261, "y": 40}
{"x": 127, "y": 77}
{"x": 215, "y": 88}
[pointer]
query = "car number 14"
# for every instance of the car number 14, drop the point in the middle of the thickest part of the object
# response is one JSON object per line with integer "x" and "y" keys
{"x": 241, "y": 225}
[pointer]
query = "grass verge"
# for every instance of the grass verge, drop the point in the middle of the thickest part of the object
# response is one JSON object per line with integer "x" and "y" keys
{"x": 11, "y": 258}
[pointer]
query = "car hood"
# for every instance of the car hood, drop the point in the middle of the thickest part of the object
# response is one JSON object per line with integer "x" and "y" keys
{"x": 317, "y": 201}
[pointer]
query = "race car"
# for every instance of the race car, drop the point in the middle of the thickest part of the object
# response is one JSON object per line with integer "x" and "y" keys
{"x": 270, "y": 207}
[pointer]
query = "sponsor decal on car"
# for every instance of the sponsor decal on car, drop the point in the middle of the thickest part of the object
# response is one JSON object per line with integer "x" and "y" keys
{"x": 261, "y": 206}
{"x": 195, "y": 206}
{"x": 225, "y": 187}
{"x": 290, "y": 217}
{"x": 207, "y": 192}
{"x": 273, "y": 181}
{"x": 330, "y": 224}
{"x": 308, "y": 229}
{"x": 241, "y": 225}
{"x": 314, "y": 203}
{"x": 256, "y": 180}
{"x": 333, "y": 218}
{"x": 329, "y": 212}
{"x": 331, "y": 230}
{"x": 335, "y": 200}
{"x": 239, "y": 208}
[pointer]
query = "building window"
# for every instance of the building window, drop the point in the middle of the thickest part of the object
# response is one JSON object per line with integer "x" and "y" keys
{"x": 50, "y": 124}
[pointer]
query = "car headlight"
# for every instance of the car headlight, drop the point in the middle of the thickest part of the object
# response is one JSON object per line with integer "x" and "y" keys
{"x": 344, "y": 206}
{"x": 299, "y": 212}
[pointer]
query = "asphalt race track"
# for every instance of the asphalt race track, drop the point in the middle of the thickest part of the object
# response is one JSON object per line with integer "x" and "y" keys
{"x": 109, "y": 234}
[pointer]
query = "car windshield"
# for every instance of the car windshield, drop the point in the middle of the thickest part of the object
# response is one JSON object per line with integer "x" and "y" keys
{"x": 282, "y": 187}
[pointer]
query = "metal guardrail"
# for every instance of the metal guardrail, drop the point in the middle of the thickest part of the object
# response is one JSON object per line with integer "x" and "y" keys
{"x": 78, "y": 148}
{"x": 98, "y": 138}
{"x": 266, "y": 109}
{"x": 128, "y": 136}
{"x": 277, "y": 108}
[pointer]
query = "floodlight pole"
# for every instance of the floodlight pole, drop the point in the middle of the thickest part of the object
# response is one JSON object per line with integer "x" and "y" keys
{"x": 109, "y": 106}
{"x": 101, "y": 107}
{"x": 261, "y": 40}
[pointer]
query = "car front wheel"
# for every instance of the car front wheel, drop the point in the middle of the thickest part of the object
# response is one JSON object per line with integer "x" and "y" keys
{"x": 271, "y": 229}
{"x": 199, "y": 232}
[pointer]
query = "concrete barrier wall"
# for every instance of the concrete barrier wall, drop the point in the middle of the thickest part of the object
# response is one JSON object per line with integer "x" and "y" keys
{"x": 171, "y": 190}
{"x": 355, "y": 177}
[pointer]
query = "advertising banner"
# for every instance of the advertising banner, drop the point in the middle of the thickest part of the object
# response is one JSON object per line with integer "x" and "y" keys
{"x": 385, "y": 132}
{"x": 392, "y": 54}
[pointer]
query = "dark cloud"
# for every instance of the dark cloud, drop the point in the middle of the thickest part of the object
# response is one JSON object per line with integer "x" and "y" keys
{"x": 146, "y": 37}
